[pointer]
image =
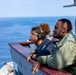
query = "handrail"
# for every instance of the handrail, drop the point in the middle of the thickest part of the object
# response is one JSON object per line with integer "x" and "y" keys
{"x": 23, "y": 51}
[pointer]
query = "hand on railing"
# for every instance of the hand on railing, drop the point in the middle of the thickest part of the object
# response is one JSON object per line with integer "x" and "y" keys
{"x": 35, "y": 67}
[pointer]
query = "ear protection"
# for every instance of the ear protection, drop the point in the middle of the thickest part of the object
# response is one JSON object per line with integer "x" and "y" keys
{"x": 41, "y": 33}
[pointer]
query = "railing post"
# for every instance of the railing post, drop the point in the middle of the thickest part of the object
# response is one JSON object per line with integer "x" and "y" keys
{"x": 75, "y": 25}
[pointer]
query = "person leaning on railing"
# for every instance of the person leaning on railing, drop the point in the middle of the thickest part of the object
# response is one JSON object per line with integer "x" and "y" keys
{"x": 38, "y": 36}
{"x": 65, "y": 55}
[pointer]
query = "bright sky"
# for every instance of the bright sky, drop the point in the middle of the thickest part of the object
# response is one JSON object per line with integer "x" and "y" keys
{"x": 30, "y": 8}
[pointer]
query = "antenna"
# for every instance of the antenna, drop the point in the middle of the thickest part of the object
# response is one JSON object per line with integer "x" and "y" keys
{"x": 71, "y": 5}
{"x": 75, "y": 1}
{"x": 75, "y": 25}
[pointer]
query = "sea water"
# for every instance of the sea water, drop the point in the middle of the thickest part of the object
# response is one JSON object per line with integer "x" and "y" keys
{"x": 18, "y": 30}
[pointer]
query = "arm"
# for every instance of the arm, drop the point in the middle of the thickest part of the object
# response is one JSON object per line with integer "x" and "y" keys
{"x": 42, "y": 53}
{"x": 31, "y": 55}
{"x": 32, "y": 52}
{"x": 64, "y": 56}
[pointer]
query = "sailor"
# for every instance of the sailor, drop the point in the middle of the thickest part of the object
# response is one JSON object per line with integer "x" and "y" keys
{"x": 44, "y": 46}
{"x": 65, "y": 56}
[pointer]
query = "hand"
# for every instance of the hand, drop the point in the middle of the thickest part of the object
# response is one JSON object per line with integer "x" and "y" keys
{"x": 35, "y": 67}
{"x": 28, "y": 58}
{"x": 32, "y": 52}
{"x": 34, "y": 56}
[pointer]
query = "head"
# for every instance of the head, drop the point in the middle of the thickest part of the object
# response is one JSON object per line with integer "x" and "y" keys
{"x": 39, "y": 32}
{"x": 62, "y": 27}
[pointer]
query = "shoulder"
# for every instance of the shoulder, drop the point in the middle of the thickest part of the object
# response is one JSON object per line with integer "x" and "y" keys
{"x": 49, "y": 36}
{"x": 71, "y": 36}
{"x": 69, "y": 39}
{"x": 47, "y": 41}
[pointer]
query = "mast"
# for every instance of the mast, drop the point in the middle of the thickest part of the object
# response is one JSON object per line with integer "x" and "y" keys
{"x": 75, "y": 25}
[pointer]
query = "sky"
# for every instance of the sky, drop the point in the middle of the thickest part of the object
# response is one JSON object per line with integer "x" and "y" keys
{"x": 36, "y": 8}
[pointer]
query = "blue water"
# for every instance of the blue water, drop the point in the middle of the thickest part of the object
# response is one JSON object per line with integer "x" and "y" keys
{"x": 18, "y": 30}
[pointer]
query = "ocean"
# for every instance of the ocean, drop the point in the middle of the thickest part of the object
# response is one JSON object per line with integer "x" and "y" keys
{"x": 18, "y": 30}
